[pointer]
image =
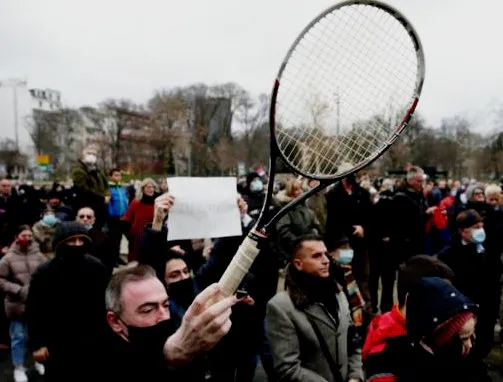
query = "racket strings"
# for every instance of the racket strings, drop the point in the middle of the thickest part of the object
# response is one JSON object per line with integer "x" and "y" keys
{"x": 359, "y": 61}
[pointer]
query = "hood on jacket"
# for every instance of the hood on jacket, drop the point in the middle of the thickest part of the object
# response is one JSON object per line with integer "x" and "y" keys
{"x": 381, "y": 329}
{"x": 432, "y": 302}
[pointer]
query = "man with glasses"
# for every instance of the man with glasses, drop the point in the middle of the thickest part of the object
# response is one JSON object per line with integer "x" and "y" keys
{"x": 101, "y": 246}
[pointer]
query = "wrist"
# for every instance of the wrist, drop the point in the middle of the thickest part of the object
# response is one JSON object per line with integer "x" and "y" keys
{"x": 157, "y": 223}
{"x": 175, "y": 354}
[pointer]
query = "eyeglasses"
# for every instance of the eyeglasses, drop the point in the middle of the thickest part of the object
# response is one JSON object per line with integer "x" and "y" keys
{"x": 86, "y": 216}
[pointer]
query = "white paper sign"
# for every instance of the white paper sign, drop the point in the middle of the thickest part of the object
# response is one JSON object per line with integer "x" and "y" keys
{"x": 203, "y": 208}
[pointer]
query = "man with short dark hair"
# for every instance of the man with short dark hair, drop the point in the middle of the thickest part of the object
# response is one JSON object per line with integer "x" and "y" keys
{"x": 144, "y": 344}
{"x": 309, "y": 325}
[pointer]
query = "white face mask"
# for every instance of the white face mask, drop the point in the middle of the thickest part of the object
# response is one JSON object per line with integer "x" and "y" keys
{"x": 90, "y": 159}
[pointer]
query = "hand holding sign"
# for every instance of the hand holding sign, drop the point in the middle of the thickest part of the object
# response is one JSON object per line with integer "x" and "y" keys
{"x": 162, "y": 205}
{"x": 204, "y": 208}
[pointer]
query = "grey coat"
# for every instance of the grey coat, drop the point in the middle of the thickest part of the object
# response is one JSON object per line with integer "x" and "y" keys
{"x": 295, "y": 348}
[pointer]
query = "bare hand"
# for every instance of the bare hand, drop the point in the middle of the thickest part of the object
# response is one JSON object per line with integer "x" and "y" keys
{"x": 107, "y": 199}
{"x": 178, "y": 250}
{"x": 41, "y": 355}
{"x": 242, "y": 205}
{"x": 202, "y": 327}
{"x": 358, "y": 231}
{"x": 431, "y": 210}
{"x": 162, "y": 205}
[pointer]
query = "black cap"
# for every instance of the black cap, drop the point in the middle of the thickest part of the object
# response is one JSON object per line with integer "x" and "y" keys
{"x": 467, "y": 219}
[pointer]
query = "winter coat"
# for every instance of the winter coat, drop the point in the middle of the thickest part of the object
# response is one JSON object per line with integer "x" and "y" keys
{"x": 65, "y": 312}
{"x": 295, "y": 347}
{"x": 118, "y": 203}
{"x": 409, "y": 223}
{"x": 297, "y": 222}
{"x": 16, "y": 268}
{"x": 385, "y": 346}
{"x": 138, "y": 215}
{"x": 42, "y": 233}
{"x": 10, "y": 217}
{"x": 344, "y": 212}
{"x": 91, "y": 187}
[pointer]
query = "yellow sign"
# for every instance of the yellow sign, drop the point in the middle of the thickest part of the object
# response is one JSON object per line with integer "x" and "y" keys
{"x": 44, "y": 159}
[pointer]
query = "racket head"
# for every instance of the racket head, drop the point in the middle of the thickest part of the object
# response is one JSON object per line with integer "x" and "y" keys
{"x": 361, "y": 66}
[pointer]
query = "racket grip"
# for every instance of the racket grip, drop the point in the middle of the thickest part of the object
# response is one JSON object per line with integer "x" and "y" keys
{"x": 239, "y": 266}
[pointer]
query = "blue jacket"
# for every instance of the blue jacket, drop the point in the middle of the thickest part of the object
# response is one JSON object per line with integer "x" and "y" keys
{"x": 118, "y": 201}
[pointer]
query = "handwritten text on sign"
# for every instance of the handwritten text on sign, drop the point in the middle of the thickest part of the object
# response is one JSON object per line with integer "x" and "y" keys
{"x": 203, "y": 208}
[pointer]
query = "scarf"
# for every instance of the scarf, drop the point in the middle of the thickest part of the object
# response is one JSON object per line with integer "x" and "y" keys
{"x": 318, "y": 290}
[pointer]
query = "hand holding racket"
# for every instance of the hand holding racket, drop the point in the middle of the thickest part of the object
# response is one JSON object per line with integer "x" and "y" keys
{"x": 344, "y": 93}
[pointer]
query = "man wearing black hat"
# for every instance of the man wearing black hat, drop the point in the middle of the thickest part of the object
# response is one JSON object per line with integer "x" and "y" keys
{"x": 466, "y": 256}
{"x": 55, "y": 203}
{"x": 65, "y": 308}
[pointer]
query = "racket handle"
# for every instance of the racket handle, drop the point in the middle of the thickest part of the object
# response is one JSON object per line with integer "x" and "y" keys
{"x": 239, "y": 266}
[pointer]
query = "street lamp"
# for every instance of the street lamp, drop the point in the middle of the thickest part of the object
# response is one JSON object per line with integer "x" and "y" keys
{"x": 14, "y": 84}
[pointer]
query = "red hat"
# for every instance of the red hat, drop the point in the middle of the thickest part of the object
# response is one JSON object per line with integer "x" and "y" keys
{"x": 446, "y": 331}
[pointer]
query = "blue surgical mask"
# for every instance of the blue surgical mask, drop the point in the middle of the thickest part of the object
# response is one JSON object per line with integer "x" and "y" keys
{"x": 49, "y": 220}
{"x": 478, "y": 235}
{"x": 345, "y": 256}
{"x": 256, "y": 186}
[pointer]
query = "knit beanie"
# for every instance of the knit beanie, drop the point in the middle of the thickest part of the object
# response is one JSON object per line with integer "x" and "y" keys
{"x": 68, "y": 231}
{"x": 445, "y": 332}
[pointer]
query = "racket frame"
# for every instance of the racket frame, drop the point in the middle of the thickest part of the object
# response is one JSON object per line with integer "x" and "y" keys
{"x": 327, "y": 180}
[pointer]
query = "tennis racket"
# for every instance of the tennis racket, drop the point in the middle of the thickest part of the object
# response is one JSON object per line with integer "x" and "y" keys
{"x": 345, "y": 91}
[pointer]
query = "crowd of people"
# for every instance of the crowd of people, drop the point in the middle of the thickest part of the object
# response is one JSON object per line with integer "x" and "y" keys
{"x": 318, "y": 304}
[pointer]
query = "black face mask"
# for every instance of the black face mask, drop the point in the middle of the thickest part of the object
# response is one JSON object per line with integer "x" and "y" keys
{"x": 182, "y": 292}
{"x": 71, "y": 253}
{"x": 151, "y": 339}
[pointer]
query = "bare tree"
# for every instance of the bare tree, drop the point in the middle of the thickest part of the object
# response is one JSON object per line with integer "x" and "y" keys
{"x": 169, "y": 115}
{"x": 252, "y": 141}
{"x": 43, "y": 128}
{"x": 225, "y": 156}
{"x": 120, "y": 116}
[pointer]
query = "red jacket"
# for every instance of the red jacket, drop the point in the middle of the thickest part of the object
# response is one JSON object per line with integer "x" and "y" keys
{"x": 379, "y": 357}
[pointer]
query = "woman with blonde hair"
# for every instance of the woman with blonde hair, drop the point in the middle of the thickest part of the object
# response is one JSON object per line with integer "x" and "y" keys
{"x": 140, "y": 213}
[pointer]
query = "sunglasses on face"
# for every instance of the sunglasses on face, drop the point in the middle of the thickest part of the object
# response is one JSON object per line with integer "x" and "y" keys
{"x": 86, "y": 216}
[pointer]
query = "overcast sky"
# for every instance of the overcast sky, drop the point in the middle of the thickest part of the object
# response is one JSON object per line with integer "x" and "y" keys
{"x": 91, "y": 50}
